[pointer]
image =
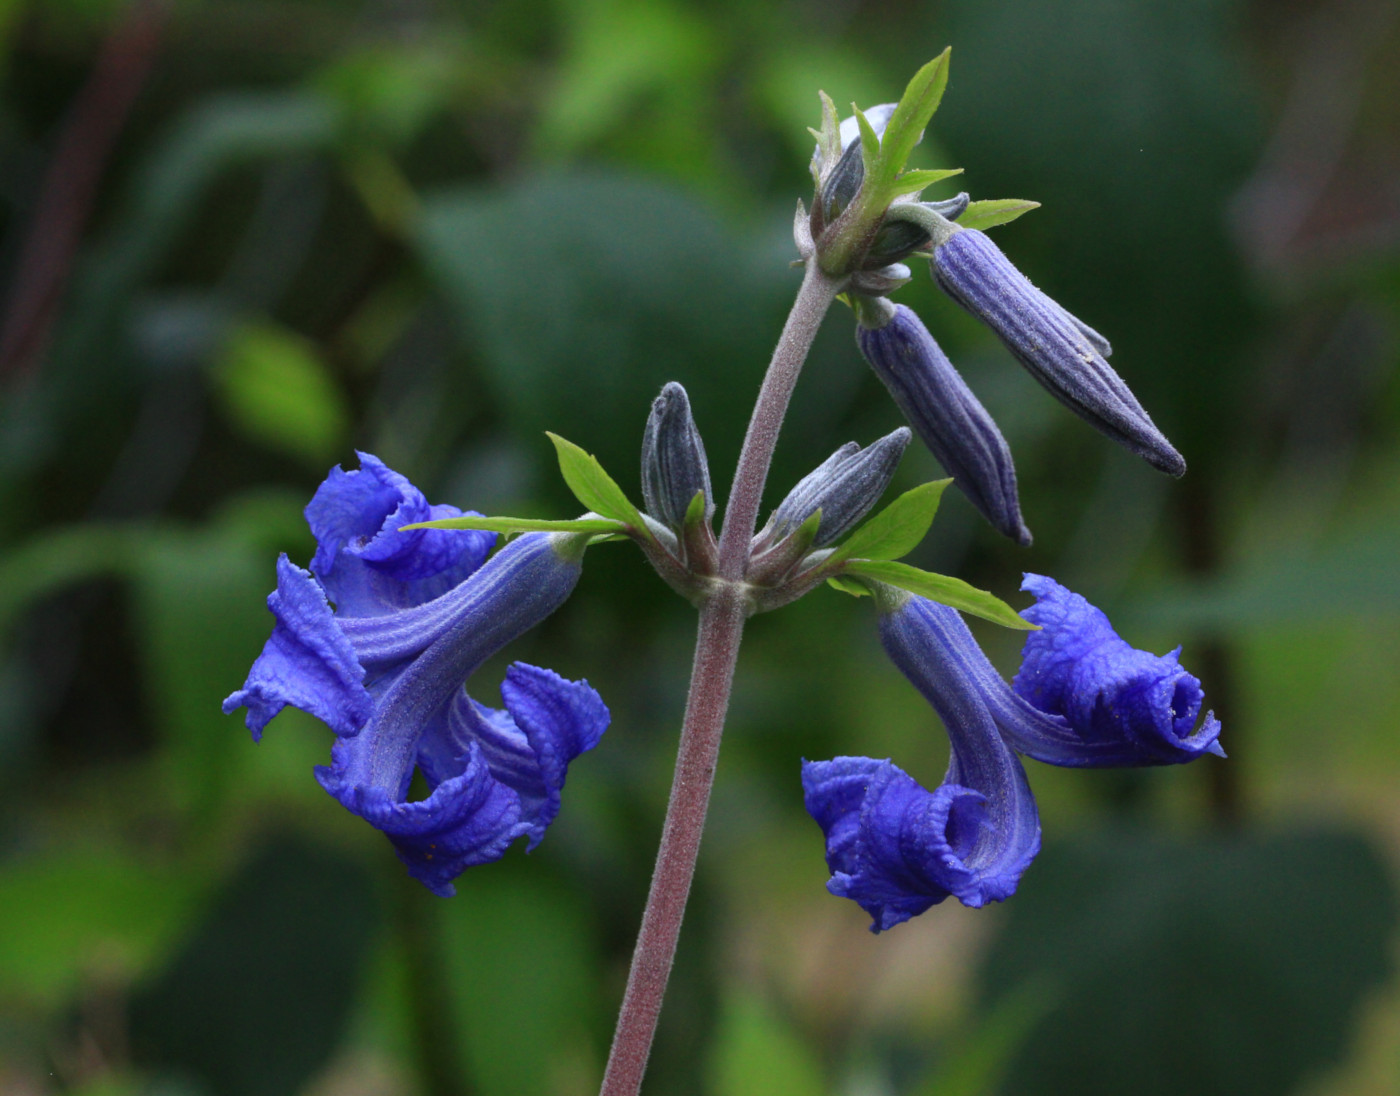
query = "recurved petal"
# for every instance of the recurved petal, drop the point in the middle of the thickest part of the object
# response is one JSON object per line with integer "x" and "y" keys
{"x": 1127, "y": 707}
{"x": 945, "y": 414}
{"x": 546, "y": 723}
{"x": 367, "y": 566}
{"x": 470, "y": 818}
{"x": 893, "y": 847}
{"x": 1055, "y": 348}
{"x": 307, "y": 662}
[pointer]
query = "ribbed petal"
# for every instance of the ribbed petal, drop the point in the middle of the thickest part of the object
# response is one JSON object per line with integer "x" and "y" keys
{"x": 1060, "y": 352}
{"x": 843, "y": 487}
{"x": 368, "y": 567}
{"x": 307, "y": 663}
{"x": 469, "y": 819}
{"x": 949, "y": 419}
{"x": 897, "y": 848}
{"x": 521, "y": 585}
{"x": 674, "y": 465}
{"x": 1126, "y": 707}
{"x": 928, "y": 642}
{"x": 893, "y": 847}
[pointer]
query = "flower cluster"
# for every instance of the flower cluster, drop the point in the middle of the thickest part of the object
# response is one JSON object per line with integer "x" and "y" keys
{"x": 1083, "y": 698}
{"x": 1065, "y": 355}
{"x": 415, "y": 613}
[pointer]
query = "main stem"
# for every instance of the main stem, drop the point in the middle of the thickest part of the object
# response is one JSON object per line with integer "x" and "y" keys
{"x": 712, "y": 675}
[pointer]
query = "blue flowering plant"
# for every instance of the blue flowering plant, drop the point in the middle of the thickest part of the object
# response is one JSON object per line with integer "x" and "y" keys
{"x": 404, "y": 600}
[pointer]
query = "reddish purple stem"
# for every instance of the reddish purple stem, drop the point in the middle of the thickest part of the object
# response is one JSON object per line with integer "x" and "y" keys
{"x": 716, "y": 653}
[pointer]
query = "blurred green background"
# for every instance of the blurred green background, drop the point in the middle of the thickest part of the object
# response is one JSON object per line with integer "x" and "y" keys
{"x": 243, "y": 238}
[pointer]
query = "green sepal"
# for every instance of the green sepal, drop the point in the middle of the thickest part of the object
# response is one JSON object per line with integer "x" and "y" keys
{"x": 943, "y": 589}
{"x": 910, "y": 118}
{"x": 522, "y": 525}
{"x": 911, "y": 182}
{"x": 848, "y": 586}
{"x": 593, "y": 487}
{"x": 828, "y": 138}
{"x": 996, "y": 211}
{"x": 897, "y": 529}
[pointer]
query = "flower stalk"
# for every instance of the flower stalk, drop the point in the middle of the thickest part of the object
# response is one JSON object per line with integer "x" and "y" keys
{"x": 721, "y": 627}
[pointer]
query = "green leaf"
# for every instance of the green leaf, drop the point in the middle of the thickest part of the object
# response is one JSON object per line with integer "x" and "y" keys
{"x": 593, "y": 487}
{"x": 898, "y": 528}
{"x": 848, "y": 586}
{"x": 996, "y": 211}
{"x": 277, "y": 391}
{"x": 869, "y": 142}
{"x": 943, "y": 589}
{"x": 913, "y": 181}
{"x": 757, "y": 1053}
{"x": 522, "y": 525}
{"x": 916, "y": 107}
{"x": 695, "y": 512}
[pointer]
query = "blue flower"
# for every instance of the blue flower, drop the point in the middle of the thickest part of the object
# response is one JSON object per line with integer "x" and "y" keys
{"x": 1123, "y": 706}
{"x": 415, "y": 614}
{"x": 949, "y": 419}
{"x": 1083, "y": 698}
{"x": 895, "y": 847}
{"x": 1063, "y": 354}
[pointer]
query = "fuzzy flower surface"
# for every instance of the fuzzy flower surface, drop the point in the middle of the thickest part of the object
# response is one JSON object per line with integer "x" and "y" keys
{"x": 378, "y": 639}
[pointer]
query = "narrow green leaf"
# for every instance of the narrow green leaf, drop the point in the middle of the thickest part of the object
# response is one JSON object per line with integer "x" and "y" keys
{"x": 869, "y": 143}
{"x": 848, "y": 586}
{"x": 522, "y": 525}
{"x": 898, "y": 528}
{"x": 997, "y": 211}
{"x": 941, "y": 588}
{"x": 695, "y": 512}
{"x": 916, "y": 107}
{"x": 593, "y": 487}
{"x": 913, "y": 181}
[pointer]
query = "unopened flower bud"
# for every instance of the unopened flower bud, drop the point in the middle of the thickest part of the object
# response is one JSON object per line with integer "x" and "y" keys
{"x": 942, "y": 409}
{"x": 1063, "y": 354}
{"x": 674, "y": 467}
{"x": 843, "y": 487}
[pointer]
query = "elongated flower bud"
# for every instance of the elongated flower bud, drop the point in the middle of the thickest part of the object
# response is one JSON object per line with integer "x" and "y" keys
{"x": 674, "y": 466}
{"x": 944, "y": 412}
{"x": 1058, "y": 351}
{"x": 843, "y": 487}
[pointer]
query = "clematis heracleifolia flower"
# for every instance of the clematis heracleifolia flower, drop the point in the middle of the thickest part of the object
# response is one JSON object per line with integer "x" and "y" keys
{"x": 1063, "y": 354}
{"x": 1083, "y": 699}
{"x": 895, "y": 847}
{"x": 1123, "y": 706}
{"x": 415, "y": 613}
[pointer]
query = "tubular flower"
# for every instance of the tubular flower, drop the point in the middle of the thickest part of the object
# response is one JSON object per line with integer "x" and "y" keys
{"x": 1059, "y": 351}
{"x": 416, "y": 612}
{"x": 949, "y": 419}
{"x": 1083, "y": 698}
{"x": 1124, "y": 706}
{"x": 895, "y": 847}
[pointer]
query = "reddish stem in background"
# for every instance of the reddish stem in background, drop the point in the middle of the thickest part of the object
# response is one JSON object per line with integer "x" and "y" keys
{"x": 70, "y": 183}
{"x": 712, "y": 675}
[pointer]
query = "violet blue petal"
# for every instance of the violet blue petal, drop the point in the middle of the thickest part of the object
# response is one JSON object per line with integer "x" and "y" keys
{"x": 1125, "y": 706}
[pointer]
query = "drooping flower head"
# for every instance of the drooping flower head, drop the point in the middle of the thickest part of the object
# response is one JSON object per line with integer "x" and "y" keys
{"x": 1083, "y": 698}
{"x": 416, "y": 612}
{"x": 895, "y": 847}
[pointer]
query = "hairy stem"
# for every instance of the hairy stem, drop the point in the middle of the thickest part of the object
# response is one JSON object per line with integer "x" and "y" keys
{"x": 716, "y": 653}
{"x": 813, "y": 299}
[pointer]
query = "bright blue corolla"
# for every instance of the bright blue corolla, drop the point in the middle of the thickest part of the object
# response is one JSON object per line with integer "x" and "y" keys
{"x": 1083, "y": 698}
{"x": 415, "y": 613}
